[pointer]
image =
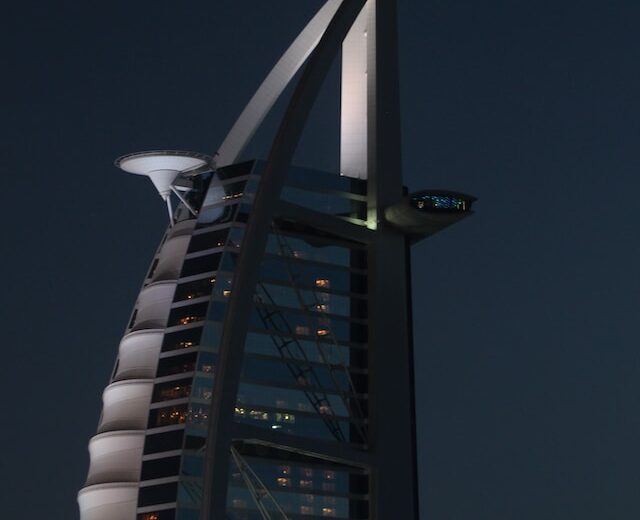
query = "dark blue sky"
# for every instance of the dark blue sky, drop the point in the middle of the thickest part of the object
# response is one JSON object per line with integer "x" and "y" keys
{"x": 526, "y": 341}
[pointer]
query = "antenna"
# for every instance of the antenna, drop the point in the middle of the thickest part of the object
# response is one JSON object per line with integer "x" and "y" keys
{"x": 163, "y": 168}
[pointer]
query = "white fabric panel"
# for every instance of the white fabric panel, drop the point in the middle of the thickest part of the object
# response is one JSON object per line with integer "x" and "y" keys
{"x": 354, "y": 102}
{"x": 126, "y": 405}
{"x": 154, "y": 304}
{"x": 108, "y": 502}
{"x": 115, "y": 457}
{"x": 182, "y": 228}
{"x": 274, "y": 84}
{"x": 138, "y": 355}
{"x": 170, "y": 258}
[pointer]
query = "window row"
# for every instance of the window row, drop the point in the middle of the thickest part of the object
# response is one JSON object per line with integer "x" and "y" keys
{"x": 188, "y": 362}
{"x": 171, "y": 440}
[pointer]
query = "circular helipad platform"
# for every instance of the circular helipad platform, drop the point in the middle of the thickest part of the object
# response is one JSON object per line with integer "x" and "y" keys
{"x": 162, "y": 166}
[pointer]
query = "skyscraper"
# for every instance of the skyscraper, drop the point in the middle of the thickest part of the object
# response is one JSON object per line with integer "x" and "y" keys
{"x": 266, "y": 371}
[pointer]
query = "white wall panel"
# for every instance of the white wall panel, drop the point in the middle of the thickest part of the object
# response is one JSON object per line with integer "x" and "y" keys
{"x": 138, "y": 355}
{"x": 108, "y": 502}
{"x": 126, "y": 405}
{"x": 115, "y": 457}
{"x": 153, "y": 305}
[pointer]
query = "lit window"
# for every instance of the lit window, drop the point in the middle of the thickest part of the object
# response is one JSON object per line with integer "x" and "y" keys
{"x": 324, "y": 409}
{"x": 226, "y": 293}
{"x": 322, "y": 332}
{"x": 189, "y": 319}
{"x": 286, "y": 470}
{"x": 198, "y": 415}
{"x": 323, "y": 283}
{"x": 205, "y": 393}
{"x": 169, "y": 416}
{"x": 174, "y": 392}
{"x": 328, "y": 511}
{"x": 330, "y": 475}
{"x": 259, "y": 415}
{"x": 306, "y": 484}
{"x": 185, "y": 344}
{"x": 233, "y": 196}
{"x": 322, "y": 307}
{"x": 284, "y": 482}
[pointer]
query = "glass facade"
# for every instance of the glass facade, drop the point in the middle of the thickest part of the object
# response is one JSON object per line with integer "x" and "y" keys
{"x": 305, "y": 364}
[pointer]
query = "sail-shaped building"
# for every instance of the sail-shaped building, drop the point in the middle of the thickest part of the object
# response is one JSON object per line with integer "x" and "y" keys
{"x": 266, "y": 371}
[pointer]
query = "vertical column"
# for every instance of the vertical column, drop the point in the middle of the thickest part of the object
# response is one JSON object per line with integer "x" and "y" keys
{"x": 394, "y": 478}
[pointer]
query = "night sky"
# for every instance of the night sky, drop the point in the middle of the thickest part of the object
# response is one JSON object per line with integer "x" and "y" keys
{"x": 526, "y": 314}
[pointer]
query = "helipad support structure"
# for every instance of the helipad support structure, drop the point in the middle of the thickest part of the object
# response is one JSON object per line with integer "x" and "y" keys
{"x": 266, "y": 371}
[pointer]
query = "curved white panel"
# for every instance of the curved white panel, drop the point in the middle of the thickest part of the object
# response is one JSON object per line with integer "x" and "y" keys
{"x": 115, "y": 457}
{"x": 274, "y": 84}
{"x": 108, "y": 502}
{"x": 184, "y": 227}
{"x": 170, "y": 258}
{"x": 138, "y": 355}
{"x": 153, "y": 305}
{"x": 126, "y": 405}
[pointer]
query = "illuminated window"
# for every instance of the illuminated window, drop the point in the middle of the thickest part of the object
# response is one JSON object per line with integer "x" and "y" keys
{"x": 323, "y": 283}
{"x": 174, "y": 392}
{"x": 190, "y": 319}
{"x": 322, "y": 307}
{"x": 325, "y": 409}
{"x": 330, "y": 475}
{"x": 233, "y": 196}
{"x": 328, "y": 511}
{"x": 306, "y": 484}
{"x": 198, "y": 415}
{"x": 259, "y": 415}
{"x": 205, "y": 393}
{"x": 283, "y": 482}
{"x": 207, "y": 368}
{"x": 226, "y": 293}
{"x": 322, "y": 332}
{"x": 285, "y": 470}
{"x": 173, "y": 415}
{"x": 186, "y": 344}
{"x": 284, "y": 417}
